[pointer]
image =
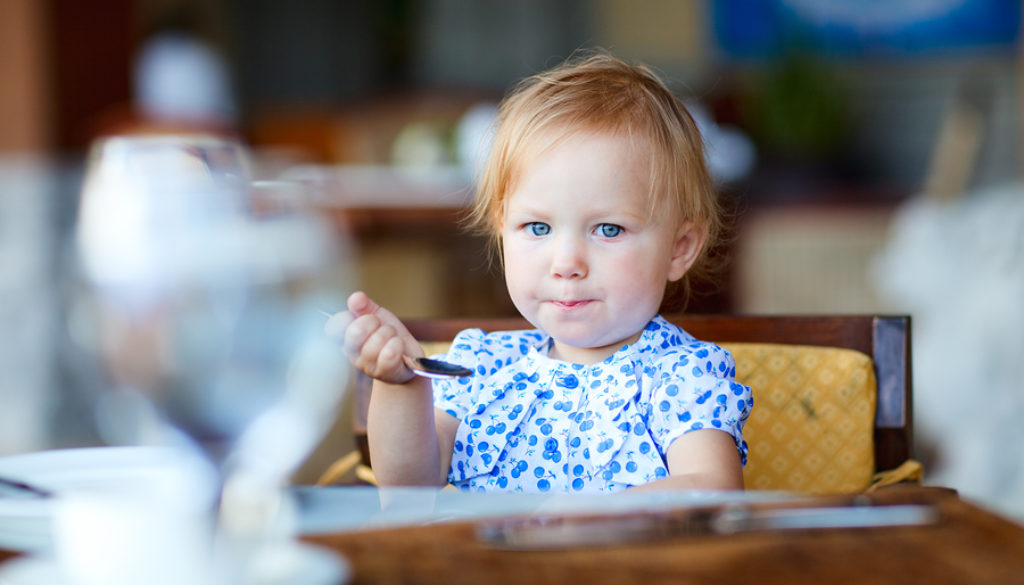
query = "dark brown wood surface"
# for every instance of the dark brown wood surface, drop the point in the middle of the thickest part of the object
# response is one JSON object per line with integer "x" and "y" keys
{"x": 967, "y": 546}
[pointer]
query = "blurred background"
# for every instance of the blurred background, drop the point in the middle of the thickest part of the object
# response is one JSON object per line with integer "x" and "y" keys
{"x": 869, "y": 151}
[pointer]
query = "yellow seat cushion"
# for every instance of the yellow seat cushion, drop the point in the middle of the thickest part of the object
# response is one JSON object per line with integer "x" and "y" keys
{"x": 811, "y": 428}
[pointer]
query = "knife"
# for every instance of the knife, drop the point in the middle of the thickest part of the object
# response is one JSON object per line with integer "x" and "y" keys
{"x": 567, "y": 531}
{"x": 16, "y": 485}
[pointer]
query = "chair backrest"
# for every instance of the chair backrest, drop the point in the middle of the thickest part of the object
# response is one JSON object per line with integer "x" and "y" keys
{"x": 884, "y": 341}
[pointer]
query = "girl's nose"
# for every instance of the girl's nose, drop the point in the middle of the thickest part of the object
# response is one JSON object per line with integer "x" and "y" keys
{"x": 568, "y": 259}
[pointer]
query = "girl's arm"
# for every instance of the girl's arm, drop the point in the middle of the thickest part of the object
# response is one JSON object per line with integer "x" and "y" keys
{"x": 705, "y": 460}
{"x": 410, "y": 441}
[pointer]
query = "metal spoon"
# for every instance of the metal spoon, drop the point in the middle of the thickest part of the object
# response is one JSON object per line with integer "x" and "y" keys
{"x": 427, "y": 367}
{"x": 431, "y": 368}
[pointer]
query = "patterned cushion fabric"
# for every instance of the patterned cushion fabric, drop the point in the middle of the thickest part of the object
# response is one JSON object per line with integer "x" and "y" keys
{"x": 813, "y": 418}
{"x": 811, "y": 428}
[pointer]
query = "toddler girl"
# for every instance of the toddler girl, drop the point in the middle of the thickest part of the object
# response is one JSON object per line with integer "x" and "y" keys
{"x": 597, "y": 197}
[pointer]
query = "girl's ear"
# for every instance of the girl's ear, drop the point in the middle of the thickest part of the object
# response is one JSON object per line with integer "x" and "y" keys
{"x": 689, "y": 241}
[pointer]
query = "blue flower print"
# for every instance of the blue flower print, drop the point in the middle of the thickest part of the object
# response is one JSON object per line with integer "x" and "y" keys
{"x": 515, "y": 412}
{"x": 569, "y": 381}
{"x": 534, "y": 423}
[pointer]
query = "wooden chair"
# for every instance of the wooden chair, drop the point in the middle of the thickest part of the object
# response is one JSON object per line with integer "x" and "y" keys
{"x": 796, "y": 348}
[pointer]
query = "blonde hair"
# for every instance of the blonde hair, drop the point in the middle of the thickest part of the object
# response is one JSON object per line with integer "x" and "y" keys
{"x": 600, "y": 93}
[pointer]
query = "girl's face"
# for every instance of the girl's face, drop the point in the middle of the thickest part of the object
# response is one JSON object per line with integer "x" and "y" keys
{"x": 585, "y": 260}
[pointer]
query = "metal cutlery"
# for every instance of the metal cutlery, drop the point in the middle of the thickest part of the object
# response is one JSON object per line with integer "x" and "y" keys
{"x": 22, "y": 488}
{"x": 568, "y": 531}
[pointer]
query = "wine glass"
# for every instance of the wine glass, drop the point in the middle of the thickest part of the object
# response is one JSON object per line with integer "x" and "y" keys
{"x": 198, "y": 292}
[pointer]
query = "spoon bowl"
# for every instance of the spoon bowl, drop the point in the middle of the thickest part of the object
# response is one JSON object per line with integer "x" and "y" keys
{"x": 431, "y": 368}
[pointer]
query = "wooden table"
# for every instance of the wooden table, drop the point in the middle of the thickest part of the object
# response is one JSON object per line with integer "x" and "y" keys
{"x": 967, "y": 546}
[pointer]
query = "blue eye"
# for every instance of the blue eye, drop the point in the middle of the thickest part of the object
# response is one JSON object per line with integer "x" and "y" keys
{"x": 537, "y": 228}
{"x": 608, "y": 230}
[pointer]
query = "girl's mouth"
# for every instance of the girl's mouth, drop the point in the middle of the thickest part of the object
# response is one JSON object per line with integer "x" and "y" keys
{"x": 569, "y": 304}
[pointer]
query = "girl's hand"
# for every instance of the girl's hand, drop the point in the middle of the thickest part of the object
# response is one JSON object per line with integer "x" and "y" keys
{"x": 374, "y": 339}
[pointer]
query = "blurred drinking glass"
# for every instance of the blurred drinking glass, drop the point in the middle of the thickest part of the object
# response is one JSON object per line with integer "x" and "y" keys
{"x": 199, "y": 291}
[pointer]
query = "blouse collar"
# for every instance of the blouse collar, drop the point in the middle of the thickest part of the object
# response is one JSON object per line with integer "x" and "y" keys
{"x": 647, "y": 341}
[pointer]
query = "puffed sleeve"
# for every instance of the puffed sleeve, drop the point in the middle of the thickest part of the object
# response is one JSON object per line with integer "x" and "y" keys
{"x": 694, "y": 387}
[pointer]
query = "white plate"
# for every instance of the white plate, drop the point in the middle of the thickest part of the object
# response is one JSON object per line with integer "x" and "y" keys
{"x": 25, "y": 521}
{"x": 289, "y": 563}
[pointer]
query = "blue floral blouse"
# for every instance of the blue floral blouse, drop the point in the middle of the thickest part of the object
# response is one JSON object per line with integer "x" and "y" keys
{"x": 532, "y": 423}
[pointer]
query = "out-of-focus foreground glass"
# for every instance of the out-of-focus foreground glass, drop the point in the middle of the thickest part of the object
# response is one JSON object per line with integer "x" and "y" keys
{"x": 199, "y": 292}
